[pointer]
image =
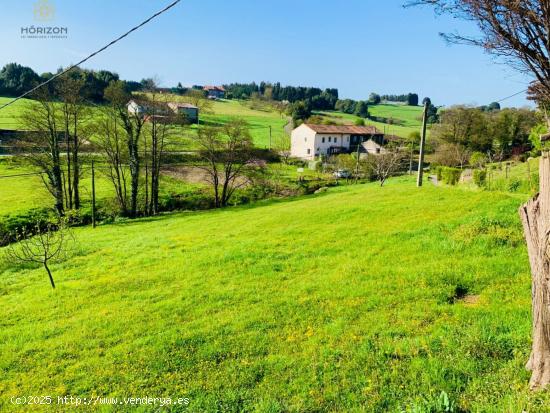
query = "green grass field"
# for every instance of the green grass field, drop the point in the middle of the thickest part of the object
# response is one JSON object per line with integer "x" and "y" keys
{"x": 407, "y": 115}
{"x": 362, "y": 299}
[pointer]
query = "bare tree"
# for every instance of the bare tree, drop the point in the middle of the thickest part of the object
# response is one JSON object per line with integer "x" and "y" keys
{"x": 46, "y": 244}
{"x": 161, "y": 124}
{"x": 111, "y": 139}
{"x": 386, "y": 164}
{"x": 41, "y": 148}
{"x": 281, "y": 145}
{"x": 228, "y": 156}
{"x": 132, "y": 124}
{"x": 452, "y": 154}
{"x": 519, "y": 32}
{"x": 74, "y": 113}
{"x": 198, "y": 98}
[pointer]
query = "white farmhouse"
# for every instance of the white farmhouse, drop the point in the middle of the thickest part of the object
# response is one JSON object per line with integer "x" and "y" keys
{"x": 309, "y": 141}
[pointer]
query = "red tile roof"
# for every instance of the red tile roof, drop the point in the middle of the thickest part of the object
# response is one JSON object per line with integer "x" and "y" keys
{"x": 348, "y": 129}
{"x": 220, "y": 88}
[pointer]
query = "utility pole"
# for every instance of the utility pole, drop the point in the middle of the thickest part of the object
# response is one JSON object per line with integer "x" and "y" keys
{"x": 93, "y": 195}
{"x": 422, "y": 145}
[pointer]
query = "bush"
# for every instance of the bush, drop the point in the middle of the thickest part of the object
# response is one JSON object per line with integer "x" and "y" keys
{"x": 514, "y": 185}
{"x": 359, "y": 122}
{"x": 25, "y": 222}
{"x": 480, "y": 177}
{"x": 450, "y": 176}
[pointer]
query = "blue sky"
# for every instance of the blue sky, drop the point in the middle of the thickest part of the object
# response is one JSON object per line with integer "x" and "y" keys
{"x": 357, "y": 46}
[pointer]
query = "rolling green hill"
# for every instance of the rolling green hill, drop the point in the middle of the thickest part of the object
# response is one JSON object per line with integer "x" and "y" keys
{"x": 406, "y": 119}
{"x": 223, "y": 111}
{"x": 361, "y": 299}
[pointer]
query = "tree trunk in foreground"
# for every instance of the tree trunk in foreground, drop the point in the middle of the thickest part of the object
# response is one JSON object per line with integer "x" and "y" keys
{"x": 535, "y": 216}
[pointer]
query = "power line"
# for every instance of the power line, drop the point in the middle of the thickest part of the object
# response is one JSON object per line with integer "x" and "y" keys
{"x": 92, "y": 55}
{"x": 511, "y": 96}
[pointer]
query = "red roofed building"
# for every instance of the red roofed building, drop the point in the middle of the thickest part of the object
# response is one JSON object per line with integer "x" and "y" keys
{"x": 215, "y": 92}
{"x": 309, "y": 141}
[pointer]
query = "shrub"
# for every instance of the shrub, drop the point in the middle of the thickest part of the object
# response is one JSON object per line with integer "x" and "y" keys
{"x": 480, "y": 177}
{"x": 450, "y": 176}
{"x": 359, "y": 122}
{"x": 514, "y": 185}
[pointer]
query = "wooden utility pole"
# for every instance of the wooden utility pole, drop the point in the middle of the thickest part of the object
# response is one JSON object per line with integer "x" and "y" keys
{"x": 422, "y": 145}
{"x": 93, "y": 195}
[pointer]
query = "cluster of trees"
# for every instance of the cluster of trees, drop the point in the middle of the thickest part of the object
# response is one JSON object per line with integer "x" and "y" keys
{"x": 129, "y": 147}
{"x": 316, "y": 98}
{"x": 410, "y": 99}
{"x": 16, "y": 79}
{"x": 359, "y": 108}
{"x": 499, "y": 134}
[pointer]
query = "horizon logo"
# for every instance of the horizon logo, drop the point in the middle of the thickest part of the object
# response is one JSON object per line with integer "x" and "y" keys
{"x": 44, "y": 10}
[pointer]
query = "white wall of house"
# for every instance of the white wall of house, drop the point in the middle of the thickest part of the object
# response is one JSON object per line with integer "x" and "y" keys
{"x": 307, "y": 144}
{"x": 302, "y": 143}
{"x": 134, "y": 108}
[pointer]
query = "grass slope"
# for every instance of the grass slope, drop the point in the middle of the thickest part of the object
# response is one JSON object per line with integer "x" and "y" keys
{"x": 346, "y": 301}
{"x": 406, "y": 115}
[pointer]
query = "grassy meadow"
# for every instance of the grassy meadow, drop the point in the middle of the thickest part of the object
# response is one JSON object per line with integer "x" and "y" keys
{"x": 407, "y": 115}
{"x": 360, "y": 299}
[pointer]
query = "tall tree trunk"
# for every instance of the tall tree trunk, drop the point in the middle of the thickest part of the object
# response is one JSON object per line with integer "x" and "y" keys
{"x": 535, "y": 216}
{"x": 76, "y": 166}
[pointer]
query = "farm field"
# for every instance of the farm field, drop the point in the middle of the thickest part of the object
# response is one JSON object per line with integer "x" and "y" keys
{"x": 361, "y": 299}
{"x": 23, "y": 193}
{"x": 223, "y": 111}
{"x": 396, "y": 111}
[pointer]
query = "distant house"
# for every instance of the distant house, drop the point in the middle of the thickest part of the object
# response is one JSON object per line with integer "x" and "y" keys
{"x": 309, "y": 141}
{"x": 188, "y": 110}
{"x": 137, "y": 108}
{"x": 215, "y": 92}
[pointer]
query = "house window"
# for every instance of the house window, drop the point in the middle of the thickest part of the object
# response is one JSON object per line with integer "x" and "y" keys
{"x": 329, "y": 138}
{"x": 323, "y": 140}
{"x": 335, "y": 140}
{"x": 348, "y": 138}
{"x": 377, "y": 150}
{"x": 308, "y": 151}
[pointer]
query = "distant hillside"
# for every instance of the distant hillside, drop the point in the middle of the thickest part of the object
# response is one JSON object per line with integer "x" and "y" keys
{"x": 397, "y": 120}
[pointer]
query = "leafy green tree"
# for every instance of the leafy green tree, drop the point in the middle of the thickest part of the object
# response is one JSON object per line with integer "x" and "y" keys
{"x": 412, "y": 99}
{"x": 16, "y": 79}
{"x": 374, "y": 98}
{"x": 362, "y": 109}
{"x": 300, "y": 110}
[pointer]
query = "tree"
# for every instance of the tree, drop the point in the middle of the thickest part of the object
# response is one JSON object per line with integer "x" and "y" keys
{"x": 452, "y": 154}
{"x": 412, "y": 99}
{"x": 362, "y": 109}
{"x": 478, "y": 160}
{"x": 42, "y": 147}
{"x": 299, "y": 110}
{"x": 518, "y": 32}
{"x": 74, "y": 114}
{"x": 227, "y": 154}
{"x": 464, "y": 126}
{"x": 282, "y": 146}
{"x": 374, "y": 98}
{"x": 386, "y": 164}
{"x": 132, "y": 124}
{"x": 16, "y": 79}
{"x": 198, "y": 98}
{"x": 159, "y": 128}
{"x": 46, "y": 244}
{"x": 111, "y": 140}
